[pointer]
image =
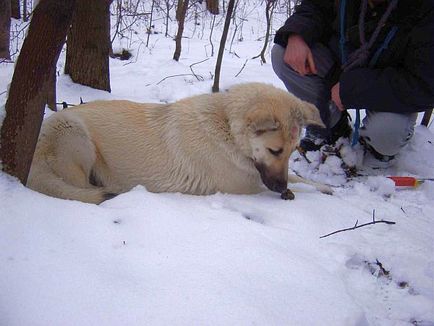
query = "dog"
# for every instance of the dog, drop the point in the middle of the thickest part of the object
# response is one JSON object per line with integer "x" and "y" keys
{"x": 231, "y": 142}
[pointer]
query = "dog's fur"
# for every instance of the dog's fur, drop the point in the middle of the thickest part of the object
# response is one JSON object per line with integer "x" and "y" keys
{"x": 200, "y": 145}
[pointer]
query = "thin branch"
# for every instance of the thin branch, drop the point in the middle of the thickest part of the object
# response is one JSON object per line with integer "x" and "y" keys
{"x": 150, "y": 24}
{"x": 65, "y": 104}
{"x": 210, "y": 36}
{"x": 302, "y": 152}
{"x": 242, "y": 68}
{"x": 6, "y": 61}
{"x": 179, "y": 75}
{"x": 198, "y": 77}
{"x": 358, "y": 226}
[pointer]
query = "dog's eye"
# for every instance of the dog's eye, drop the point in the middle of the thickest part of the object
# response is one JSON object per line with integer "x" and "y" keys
{"x": 276, "y": 152}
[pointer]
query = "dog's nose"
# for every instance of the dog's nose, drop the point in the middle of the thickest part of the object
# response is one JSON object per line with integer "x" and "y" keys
{"x": 279, "y": 185}
{"x": 272, "y": 182}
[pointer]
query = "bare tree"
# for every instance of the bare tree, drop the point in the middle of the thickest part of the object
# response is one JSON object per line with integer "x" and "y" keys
{"x": 15, "y": 9}
{"x": 179, "y": 9}
{"x": 168, "y": 6}
{"x": 118, "y": 23}
{"x": 426, "y": 117}
{"x": 212, "y": 6}
{"x": 27, "y": 93}
{"x": 5, "y": 28}
{"x": 215, "y": 86}
{"x": 236, "y": 24}
{"x": 181, "y": 12}
{"x": 88, "y": 44}
{"x": 149, "y": 31}
{"x": 210, "y": 35}
{"x": 269, "y": 9}
{"x": 25, "y": 16}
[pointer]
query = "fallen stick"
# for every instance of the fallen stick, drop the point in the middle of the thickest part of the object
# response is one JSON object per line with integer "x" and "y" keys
{"x": 359, "y": 226}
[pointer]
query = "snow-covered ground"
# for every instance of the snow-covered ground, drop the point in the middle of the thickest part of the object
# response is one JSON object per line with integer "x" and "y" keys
{"x": 173, "y": 259}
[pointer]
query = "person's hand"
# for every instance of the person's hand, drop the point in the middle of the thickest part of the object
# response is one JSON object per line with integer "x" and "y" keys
{"x": 336, "y": 97}
{"x": 299, "y": 56}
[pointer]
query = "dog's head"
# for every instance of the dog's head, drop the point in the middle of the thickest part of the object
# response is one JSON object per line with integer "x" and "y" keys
{"x": 273, "y": 127}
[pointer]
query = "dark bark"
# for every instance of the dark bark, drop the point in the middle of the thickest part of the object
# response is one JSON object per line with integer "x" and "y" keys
{"x": 212, "y": 6}
{"x": 426, "y": 118}
{"x": 88, "y": 44}
{"x": 25, "y": 15}
{"x": 149, "y": 31}
{"x": 28, "y": 91}
{"x": 51, "y": 89}
{"x": 269, "y": 9}
{"x": 168, "y": 6}
{"x": 215, "y": 86}
{"x": 179, "y": 9}
{"x": 210, "y": 36}
{"x": 5, "y": 28}
{"x": 180, "y": 16}
{"x": 15, "y": 9}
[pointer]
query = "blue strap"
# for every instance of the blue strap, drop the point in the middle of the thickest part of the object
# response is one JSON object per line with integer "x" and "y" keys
{"x": 355, "y": 139}
{"x": 383, "y": 46}
{"x": 372, "y": 63}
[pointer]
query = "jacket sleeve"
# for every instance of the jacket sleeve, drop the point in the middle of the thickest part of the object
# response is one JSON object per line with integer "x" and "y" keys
{"x": 409, "y": 88}
{"x": 312, "y": 20}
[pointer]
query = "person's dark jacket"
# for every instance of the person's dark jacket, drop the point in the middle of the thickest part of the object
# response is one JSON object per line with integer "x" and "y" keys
{"x": 402, "y": 80}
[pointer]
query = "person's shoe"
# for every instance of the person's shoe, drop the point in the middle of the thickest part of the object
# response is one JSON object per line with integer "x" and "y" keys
{"x": 341, "y": 129}
{"x": 316, "y": 137}
{"x": 375, "y": 160}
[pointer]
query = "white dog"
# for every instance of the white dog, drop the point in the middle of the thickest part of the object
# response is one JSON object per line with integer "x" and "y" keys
{"x": 231, "y": 142}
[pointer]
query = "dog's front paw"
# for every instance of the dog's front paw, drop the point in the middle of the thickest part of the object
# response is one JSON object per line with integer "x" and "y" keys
{"x": 325, "y": 189}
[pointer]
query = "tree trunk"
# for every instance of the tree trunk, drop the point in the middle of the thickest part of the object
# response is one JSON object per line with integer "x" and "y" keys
{"x": 166, "y": 34}
{"x": 269, "y": 9}
{"x": 426, "y": 118}
{"x": 88, "y": 44}
{"x": 51, "y": 89}
{"x": 25, "y": 16}
{"x": 149, "y": 31}
{"x": 210, "y": 35}
{"x": 215, "y": 86}
{"x": 15, "y": 9}
{"x": 180, "y": 16}
{"x": 28, "y": 91}
{"x": 213, "y": 6}
{"x": 179, "y": 9}
{"x": 5, "y": 28}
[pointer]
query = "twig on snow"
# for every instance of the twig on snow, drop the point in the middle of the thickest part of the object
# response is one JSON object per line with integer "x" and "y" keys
{"x": 302, "y": 152}
{"x": 242, "y": 68}
{"x": 356, "y": 226}
{"x": 179, "y": 75}
{"x": 198, "y": 77}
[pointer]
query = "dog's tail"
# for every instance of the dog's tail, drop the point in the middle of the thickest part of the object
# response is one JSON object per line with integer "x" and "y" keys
{"x": 64, "y": 161}
{"x": 51, "y": 184}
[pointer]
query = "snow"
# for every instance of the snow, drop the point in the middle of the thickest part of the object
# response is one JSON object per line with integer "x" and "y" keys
{"x": 173, "y": 259}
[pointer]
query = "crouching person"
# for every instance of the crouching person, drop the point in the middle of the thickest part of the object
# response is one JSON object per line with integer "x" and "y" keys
{"x": 374, "y": 55}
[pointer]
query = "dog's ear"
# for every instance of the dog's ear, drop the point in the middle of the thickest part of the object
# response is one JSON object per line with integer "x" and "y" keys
{"x": 310, "y": 114}
{"x": 260, "y": 121}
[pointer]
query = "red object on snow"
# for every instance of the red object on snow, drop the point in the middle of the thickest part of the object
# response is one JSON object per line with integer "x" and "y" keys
{"x": 409, "y": 181}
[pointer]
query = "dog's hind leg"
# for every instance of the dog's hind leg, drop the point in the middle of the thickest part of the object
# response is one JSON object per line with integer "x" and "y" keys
{"x": 63, "y": 162}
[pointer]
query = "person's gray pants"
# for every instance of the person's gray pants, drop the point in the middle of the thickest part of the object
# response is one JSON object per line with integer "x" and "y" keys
{"x": 386, "y": 132}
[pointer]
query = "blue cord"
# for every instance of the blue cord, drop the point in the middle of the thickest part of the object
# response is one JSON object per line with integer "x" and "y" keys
{"x": 355, "y": 139}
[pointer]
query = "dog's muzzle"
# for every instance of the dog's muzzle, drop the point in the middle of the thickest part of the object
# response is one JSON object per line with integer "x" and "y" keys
{"x": 272, "y": 182}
